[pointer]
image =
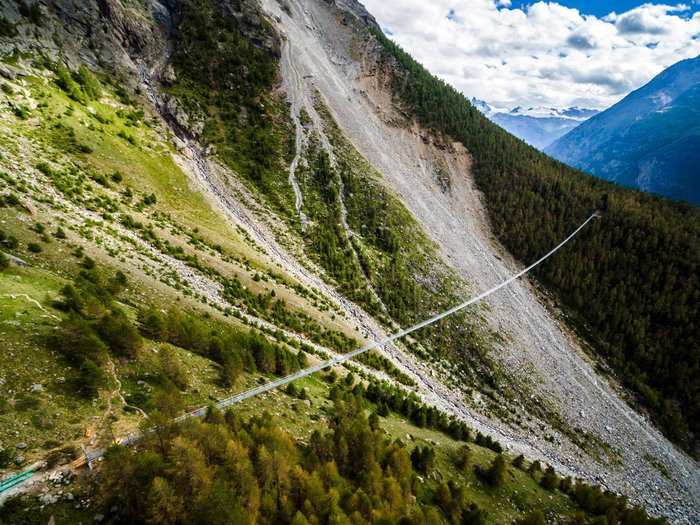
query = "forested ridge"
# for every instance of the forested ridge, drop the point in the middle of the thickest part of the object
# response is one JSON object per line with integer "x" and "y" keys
{"x": 630, "y": 283}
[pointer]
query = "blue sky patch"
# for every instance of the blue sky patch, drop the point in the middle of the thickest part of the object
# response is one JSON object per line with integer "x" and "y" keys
{"x": 601, "y": 8}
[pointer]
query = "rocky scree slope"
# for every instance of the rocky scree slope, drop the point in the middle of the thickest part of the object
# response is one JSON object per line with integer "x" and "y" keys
{"x": 337, "y": 57}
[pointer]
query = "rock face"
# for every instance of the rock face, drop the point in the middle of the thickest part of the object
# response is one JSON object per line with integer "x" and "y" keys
{"x": 650, "y": 140}
{"x": 104, "y": 34}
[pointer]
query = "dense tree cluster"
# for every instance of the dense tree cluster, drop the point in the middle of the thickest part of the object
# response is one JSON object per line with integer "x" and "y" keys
{"x": 225, "y": 470}
{"x": 604, "y": 506}
{"x": 327, "y": 238}
{"x": 391, "y": 398}
{"x": 93, "y": 328}
{"x": 225, "y": 58}
{"x": 234, "y": 350}
{"x": 631, "y": 280}
{"x": 379, "y": 362}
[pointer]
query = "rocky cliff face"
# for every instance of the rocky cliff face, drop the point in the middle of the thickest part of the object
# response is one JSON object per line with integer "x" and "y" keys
{"x": 104, "y": 34}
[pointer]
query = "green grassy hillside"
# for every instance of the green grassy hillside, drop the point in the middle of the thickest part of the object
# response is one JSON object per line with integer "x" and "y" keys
{"x": 326, "y": 458}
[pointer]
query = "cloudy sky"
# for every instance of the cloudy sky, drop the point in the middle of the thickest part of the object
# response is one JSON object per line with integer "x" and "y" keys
{"x": 553, "y": 54}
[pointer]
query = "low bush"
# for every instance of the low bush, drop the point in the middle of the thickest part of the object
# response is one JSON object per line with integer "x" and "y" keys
{"x": 93, "y": 327}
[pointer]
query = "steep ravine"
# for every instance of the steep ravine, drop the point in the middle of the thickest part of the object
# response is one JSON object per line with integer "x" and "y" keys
{"x": 539, "y": 348}
{"x": 296, "y": 105}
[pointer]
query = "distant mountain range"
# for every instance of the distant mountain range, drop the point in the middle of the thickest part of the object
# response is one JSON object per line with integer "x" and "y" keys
{"x": 537, "y": 126}
{"x": 650, "y": 140}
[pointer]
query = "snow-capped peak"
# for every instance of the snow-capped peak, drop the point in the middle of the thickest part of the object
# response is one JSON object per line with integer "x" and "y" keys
{"x": 572, "y": 113}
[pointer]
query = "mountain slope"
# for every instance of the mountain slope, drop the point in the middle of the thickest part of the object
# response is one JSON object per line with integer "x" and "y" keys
{"x": 649, "y": 140}
{"x": 269, "y": 203}
{"x": 431, "y": 172}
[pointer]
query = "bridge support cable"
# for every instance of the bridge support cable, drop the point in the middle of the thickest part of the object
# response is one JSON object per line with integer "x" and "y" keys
{"x": 378, "y": 344}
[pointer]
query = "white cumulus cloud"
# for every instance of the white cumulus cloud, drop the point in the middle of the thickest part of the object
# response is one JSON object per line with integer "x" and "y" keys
{"x": 543, "y": 55}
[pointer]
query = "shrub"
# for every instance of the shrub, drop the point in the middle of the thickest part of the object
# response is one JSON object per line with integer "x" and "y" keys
{"x": 117, "y": 331}
{"x": 495, "y": 475}
{"x": 34, "y": 247}
{"x": 65, "y": 81}
{"x": 21, "y": 112}
{"x": 10, "y": 242}
{"x": 89, "y": 83}
{"x": 76, "y": 338}
{"x": 462, "y": 458}
{"x": 171, "y": 368}
{"x": 474, "y": 515}
{"x": 118, "y": 283}
{"x": 534, "y": 468}
{"x": 423, "y": 459}
{"x": 534, "y": 518}
{"x": 149, "y": 200}
{"x": 124, "y": 135}
{"x": 7, "y": 28}
{"x": 231, "y": 369}
{"x": 519, "y": 461}
{"x": 6, "y": 457}
{"x": 565, "y": 485}
{"x": 488, "y": 442}
{"x": 550, "y": 480}
{"x": 153, "y": 325}
{"x": 9, "y": 200}
{"x": 91, "y": 378}
{"x": 71, "y": 300}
